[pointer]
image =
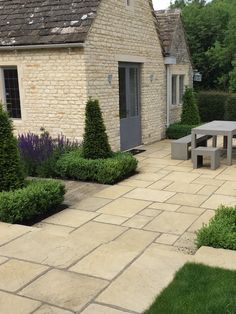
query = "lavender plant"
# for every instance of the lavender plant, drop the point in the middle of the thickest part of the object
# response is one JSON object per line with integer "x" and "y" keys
{"x": 40, "y": 152}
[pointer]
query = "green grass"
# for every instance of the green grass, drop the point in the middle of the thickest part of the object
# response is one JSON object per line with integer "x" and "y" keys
{"x": 221, "y": 230}
{"x": 198, "y": 289}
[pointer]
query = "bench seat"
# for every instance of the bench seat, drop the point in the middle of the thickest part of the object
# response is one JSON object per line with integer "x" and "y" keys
{"x": 180, "y": 148}
{"x": 200, "y": 152}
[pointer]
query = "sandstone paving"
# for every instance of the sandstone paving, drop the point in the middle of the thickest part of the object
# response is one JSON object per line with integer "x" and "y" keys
{"x": 164, "y": 206}
{"x": 138, "y": 221}
{"x": 12, "y": 304}
{"x": 203, "y": 219}
{"x": 166, "y": 238}
{"x": 180, "y": 177}
{"x": 191, "y": 210}
{"x": 110, "y": 219}
{"x": 91, "y": 203}
{"x": 15, "y": 274}
{"x": 149, "y": 275}
{"x": 10, "y": 232}
{"x": 109, "y": 259}
{"x": 124, "y": 207}
{"x": 65, "y": 289}
{"x": 56, "y": 229}
{"x": 216, "y": 257}
{"x": 149, "y": 195}
{"x": 71, "y": 218}
{"x": 60, "y": 251}
{"x": 149, "y": 177}
{"x": 186, "y": 199}
{"x": 171, "y": 222}
{"x": 114, "y": 191}
{"x": 208, "y": 190}
{"x": 228, "y": 188}
{"x": 150, "y": 212}
{"x": 47, "y": 309}
{"x": 160, "y": 184}
{"x": 3, "y": 260}
{"x": 229, "y": 174}
{"x": 100, "y": 309}
{"x": 187, "y": 240}
{"x": 135, "y": 183}
{"x": 208, "y": 181}
{"x": 184, "y": 187}
{"x": 214, "y": 201}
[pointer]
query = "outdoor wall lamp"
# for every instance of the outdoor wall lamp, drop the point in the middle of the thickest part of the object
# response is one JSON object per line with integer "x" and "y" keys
{"x": 109, "y": 78}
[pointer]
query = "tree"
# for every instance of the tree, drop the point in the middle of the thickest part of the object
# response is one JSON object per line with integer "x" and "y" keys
{"x": 11, "y": 169}
{"x": 96, "y": 143}
{"x": 190, "y": 114}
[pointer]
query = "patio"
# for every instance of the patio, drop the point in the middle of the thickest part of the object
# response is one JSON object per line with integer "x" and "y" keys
{"x": 113, "y": 251}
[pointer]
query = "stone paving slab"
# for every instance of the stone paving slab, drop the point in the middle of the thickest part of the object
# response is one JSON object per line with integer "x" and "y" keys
{"x": 149, "y": 275}
{"x": 100, "y": 309}
{"x": 9, "y": 232}
{"x": 47, "y": 309}
{"x": 214, "y": 201}
{"x": 185, "y": 199}
{"x": 91, "y": 203}
{"x": 109, "y": 259}
{"x": 65, "y": 289}
{"x": 12, "y": 304}
{"x": 124, "y": 207}
{"x": 216, "y": 257}
{"x": 15, "y": 274}
{"x": 174, "y": 223}
{"x": 114, "y": 191}
{"x": 149, "y": 195}
{"x": 203, "y": 219}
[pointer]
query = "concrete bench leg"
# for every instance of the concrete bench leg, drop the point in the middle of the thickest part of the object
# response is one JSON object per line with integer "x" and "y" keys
{"x": 225, "y": 143}
{"x": 214, "y": 141}
{"x": 197, "y": 161}
{"x": 215, "y": 161}
{"x": 179, "y": 151}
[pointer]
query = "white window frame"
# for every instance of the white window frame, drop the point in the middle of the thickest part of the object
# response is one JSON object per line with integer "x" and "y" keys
{"x": 3, "y": 88}
{"x": 177, "y": 75}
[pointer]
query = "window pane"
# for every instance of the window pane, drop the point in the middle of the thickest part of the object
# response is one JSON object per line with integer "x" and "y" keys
{"x": 12, "y": 92}
{"x": 174, "y": 89}
{"x": 133, "y": 92}
{"x": 122, "y": 93}
{"x": 181, "y": 88}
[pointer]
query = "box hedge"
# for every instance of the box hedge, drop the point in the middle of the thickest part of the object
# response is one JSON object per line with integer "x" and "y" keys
{"x": 221, "y": 230}
{"x": 36, "y": 198}
{"x": 230, "y": 108}
{"x": 178, "y": 130}
{"x": 211, "y": 105}
{"x": 106, "y": 171}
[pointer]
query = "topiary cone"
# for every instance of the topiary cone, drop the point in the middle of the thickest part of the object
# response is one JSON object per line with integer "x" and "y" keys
{"x": 190, "y": 113}
{"x": 11, "y": 169}
{"x": 95, "y": 143}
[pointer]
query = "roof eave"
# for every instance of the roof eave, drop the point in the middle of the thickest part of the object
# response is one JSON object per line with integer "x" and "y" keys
{"x": 44, "y": 46}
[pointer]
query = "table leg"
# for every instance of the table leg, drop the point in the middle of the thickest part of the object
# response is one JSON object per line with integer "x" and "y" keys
{"x": 214, "y": 141}
{"x": 225, "y": 142}
{"x": 194, "y": 141}
{"x": 229, "y": 149}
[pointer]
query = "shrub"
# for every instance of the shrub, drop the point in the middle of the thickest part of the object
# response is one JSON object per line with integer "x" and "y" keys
{"x": 106, "y": 171}
{"x": 230, "y": 109}
{"x": 35, "y": 199}
{"x": 95, "y": 143}
{"x": 221, "y": 231}
{"x": 211, "y": 105}
{"x": 39, "y": 153}
{"x": 190, "y": 113}
{"x": 11, "y": 169}
{"x": 178, "y": 130}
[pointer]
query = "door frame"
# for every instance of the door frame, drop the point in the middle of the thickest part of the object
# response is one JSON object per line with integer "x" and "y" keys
{"x": 136, "y": 65}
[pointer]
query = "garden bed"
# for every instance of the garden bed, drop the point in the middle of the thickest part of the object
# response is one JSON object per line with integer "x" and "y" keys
{"x": 32, "y": 203}
{"x": 221, "y": 230}
{"x": 198, "y": 289}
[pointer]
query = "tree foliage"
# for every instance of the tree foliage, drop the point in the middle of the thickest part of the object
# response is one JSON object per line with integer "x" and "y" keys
{"x": 11, "y": 169}
{"x": 211, "y": 33}
{"x": 95, "y": 143}
{"x": 190, "y": 113}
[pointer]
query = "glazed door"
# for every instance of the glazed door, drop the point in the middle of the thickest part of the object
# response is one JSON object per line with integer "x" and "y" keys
{"x": 129, "y": 102}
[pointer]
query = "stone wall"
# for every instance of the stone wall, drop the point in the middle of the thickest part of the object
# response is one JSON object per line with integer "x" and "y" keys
{"x": 127, "y": 34}
{"x": 53, "y": 90}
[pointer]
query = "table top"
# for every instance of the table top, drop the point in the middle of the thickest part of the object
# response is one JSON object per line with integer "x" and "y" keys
{"x": 216, "y": 127}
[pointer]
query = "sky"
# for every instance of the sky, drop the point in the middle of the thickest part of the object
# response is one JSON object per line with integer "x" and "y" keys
{"x": 161, "y": 4}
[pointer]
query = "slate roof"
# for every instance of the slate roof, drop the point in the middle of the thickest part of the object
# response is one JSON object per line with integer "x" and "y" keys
{"x": 38, "y": 22}
{"x": 168, "y": 21}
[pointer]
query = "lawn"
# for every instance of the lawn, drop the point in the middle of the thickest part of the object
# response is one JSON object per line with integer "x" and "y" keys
{"x": 198, "y": 289}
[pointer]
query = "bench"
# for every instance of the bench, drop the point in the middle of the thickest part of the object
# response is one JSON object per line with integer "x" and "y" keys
{"x": 180, "y": 148}
{"x": 200, "y": 152}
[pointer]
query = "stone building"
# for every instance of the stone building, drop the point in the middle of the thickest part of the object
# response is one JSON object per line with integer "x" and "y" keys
{"x": 54, "y": 55}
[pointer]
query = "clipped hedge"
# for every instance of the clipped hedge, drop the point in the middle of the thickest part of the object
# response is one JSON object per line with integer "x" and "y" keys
{"x": 211, "y": 105}
{"x": 230, "y": 108}
{"x": 221, "y": 230}
{"x": 36, "y": 198}
{"x": 178, "y": 130}
{"x": 106, "y": 171}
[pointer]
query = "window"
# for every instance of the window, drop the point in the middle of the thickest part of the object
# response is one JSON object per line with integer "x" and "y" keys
{"x": 181, "y": 88}
{"x": 177, "y": 90}
{"x": 174, "y": 90}
{"x": 11, "y": 91}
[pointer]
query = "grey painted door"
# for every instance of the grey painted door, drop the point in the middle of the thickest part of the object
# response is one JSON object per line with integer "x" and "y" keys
{"x": 129, "y": 102}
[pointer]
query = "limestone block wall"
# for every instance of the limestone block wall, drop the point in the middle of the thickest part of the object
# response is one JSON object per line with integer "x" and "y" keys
{"x": 127, "y": 34}
{"x": 53, "y": 90}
